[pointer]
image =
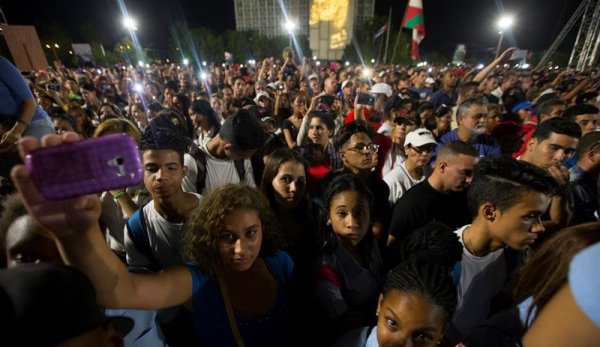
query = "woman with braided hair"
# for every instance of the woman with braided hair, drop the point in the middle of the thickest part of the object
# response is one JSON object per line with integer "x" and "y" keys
{"x": 415, "y": 306}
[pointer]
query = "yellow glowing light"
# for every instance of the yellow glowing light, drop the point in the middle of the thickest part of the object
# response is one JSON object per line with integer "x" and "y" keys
{"x": 335, "y": 11}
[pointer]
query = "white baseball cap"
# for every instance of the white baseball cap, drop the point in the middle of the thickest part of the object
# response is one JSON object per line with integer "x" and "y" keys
{"x": 382, "y": 88}
{"x": 419, "y": 137}
{"x": 259, "y": 95}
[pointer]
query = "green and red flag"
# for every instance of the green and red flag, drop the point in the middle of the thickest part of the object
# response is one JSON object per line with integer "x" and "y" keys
{"x": 413, "y": 19}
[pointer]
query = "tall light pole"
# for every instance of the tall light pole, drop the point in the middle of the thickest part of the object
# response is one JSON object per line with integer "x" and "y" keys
{"x": 290, "y": 26}
{"x": 504, "y": 24}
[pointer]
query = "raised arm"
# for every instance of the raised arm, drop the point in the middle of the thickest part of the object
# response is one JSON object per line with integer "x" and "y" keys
{"x": 74, "y": 223}
{"x": 491, "y": 66}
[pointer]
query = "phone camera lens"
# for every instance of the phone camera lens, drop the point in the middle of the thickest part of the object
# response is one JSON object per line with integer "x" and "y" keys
{"x": 119, "y": 160}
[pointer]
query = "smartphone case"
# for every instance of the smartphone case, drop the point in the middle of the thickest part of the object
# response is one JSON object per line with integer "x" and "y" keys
{"x": 85, "y": 167}
{"x": 365, "y": 99}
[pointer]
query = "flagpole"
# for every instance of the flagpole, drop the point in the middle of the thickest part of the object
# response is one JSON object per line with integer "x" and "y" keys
{"x": 379, "y": 51}
{"x": 398, "y": 37}
{"x": 387, "y": 37}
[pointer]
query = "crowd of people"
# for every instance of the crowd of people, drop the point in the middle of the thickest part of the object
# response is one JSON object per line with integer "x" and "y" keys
{"x": 291, "y": 204}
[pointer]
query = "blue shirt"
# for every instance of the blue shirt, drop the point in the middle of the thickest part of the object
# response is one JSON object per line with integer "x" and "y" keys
{"x": 486, "y": 145}
{"x": 585, "y": 282}
{"x": 210, "y": 316}
{"x": 14, "y": 91}
{"x": 440, "y": 97}
{"x": 571, "y": 162}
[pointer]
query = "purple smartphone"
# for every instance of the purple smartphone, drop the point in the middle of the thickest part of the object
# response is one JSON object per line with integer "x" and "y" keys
{"x": 85, "y": 167}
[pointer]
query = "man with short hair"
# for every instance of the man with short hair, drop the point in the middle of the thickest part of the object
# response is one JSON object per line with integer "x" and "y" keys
{"x": 228, "y": 154}
{"x": 163, "y": 218}
{"x": 239, "y": 91}
{"x": 313, "y": 83}
{"x": 585, "y": 115}
{"x": 446, "y": 95}
{"x": 330, "y": 86}
{"x": 583, "y": 179}
{"x": 466, "y": 91}
{"x": 440, "y": 197}
{"x": 506, "y": 201}
{"x": 418, "y": 85}
{"x": 471, "y": 116}
{"x": 552, "y": 143}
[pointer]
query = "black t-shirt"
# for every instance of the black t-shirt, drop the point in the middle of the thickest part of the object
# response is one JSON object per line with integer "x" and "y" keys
{"x": 422, "y": 204}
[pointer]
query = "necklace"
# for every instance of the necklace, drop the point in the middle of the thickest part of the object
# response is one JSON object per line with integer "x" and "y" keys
{"x": 468, "y": 242}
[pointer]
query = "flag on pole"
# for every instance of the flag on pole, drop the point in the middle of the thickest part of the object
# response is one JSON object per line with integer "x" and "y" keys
{"x": 413, "y": 19}
{"x": 380, "y": 32}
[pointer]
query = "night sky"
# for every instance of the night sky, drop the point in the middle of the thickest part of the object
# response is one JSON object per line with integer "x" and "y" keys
{"x": 447, "y": 22}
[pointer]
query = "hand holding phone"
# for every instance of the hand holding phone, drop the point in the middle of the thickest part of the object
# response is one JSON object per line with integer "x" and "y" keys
{"x": 327, "y": 100}
{"x": 365, "y": 99}
{"x": 63, "y": 218}
{"x": 53, "y": 86}
{"x": 85, "y": 167}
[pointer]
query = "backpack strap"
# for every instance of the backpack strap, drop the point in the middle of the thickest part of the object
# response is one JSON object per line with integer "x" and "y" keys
{"x": 200, "y": 159}
{"x": 456, "y": 272}
{"x": 136, "y": 228}
{"x": 239, "y": 167}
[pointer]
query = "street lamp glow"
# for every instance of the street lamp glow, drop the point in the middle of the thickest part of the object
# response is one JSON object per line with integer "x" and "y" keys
{"x": 290, "y": 25}
{"x": 505, "y": 22}
{"x": 314, "y": 57}
{"x": 372, "y": 61}
{"x": 47, "y": 46}
{"x": 186, "y": 61}
{"x": 56, "y": 45}
{"x": 129, "y": 23}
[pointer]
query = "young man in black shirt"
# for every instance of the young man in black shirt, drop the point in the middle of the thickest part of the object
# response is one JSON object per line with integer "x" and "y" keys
{"x": 440, "y": 197}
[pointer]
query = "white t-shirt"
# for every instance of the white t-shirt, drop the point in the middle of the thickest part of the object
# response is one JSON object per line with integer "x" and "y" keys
{"x": 189, "y": 181}
{"x": 481, "y": 278}
{"x": 393, "y": 158}
{"x": 164, "y": 238}
{"x": 399, "y": 181}
{"x": 220, "y": 172}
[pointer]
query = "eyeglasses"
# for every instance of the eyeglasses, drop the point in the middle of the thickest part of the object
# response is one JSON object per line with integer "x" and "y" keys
{"x": 365, "y": 148}
{"x": 424, "y": 149}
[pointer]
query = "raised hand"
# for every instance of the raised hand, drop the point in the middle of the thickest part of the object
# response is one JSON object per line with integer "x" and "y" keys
{"x": 64, "y": 218}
